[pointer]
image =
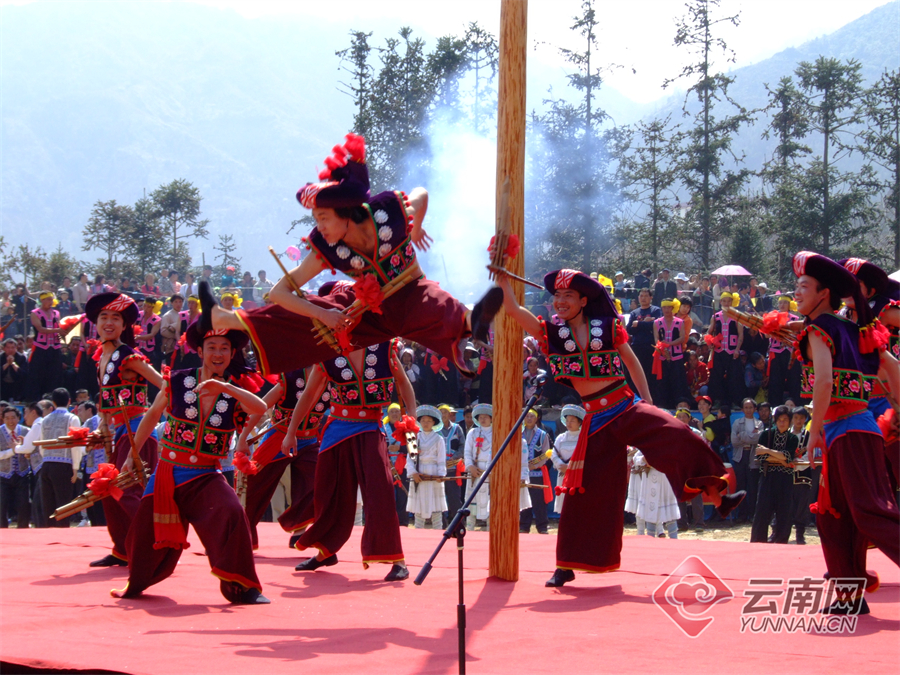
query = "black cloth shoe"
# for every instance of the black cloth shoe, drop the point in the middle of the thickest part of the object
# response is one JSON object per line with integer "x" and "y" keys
{"x": 843, "y": 608}
{"x": 251, "y": 596}
{"x": 311, "y": 564}
{"x": 801, "y": 535}
{"x": 109, "y": 561}
{"x": 484, "y": 312}
{"x": 730, "y": 503}
{"x": 397, "y": 573}
{"x": 294, "y": 539}
{"x": 207, "y": 302}
{"x": 559, "y": 578}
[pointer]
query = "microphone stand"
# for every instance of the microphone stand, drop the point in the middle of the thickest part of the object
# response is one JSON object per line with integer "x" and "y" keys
{"x": 457, "y": 529}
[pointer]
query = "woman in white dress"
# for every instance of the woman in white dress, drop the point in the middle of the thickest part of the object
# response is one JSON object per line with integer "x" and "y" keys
{"x": 657, "y": 504}
{"x": 427, "y": 500}
{"x": 571, "y": 415}
{"x": 477, "y": 457}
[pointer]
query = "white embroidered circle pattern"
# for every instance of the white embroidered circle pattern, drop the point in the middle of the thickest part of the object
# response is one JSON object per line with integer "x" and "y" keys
{"x": 370, "y": 373}
{"x": 371, "y": 359}
{"x": 357, "y": 263}
{"x": 190, "y": 397}
{"x": 570, "y": 345}
{"x": 190, "y": 382}
{"x": 347, "y": 374}
{"x": 381, "y": 216}
{"x": 340, "y": 362}
{"x": 221, "y": 406}
{"x": 300, "y": 383}
{"x": 343, "y": 252}
{"x": 190, "y": 413}
{"x": 216, "y": 420}
{"x": 564, "y": 332}
{"x": 384, "y": 249}
{"x": 595, "y": 344}
{"x": 115, "y": 355}
{"x": 320, "y": 406}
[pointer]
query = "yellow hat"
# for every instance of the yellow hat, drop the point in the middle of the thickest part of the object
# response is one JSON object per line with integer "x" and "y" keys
{"x": 674, "y": 304}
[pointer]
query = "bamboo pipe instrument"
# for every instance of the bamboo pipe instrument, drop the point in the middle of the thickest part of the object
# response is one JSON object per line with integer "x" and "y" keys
{"x": 752, "y": 321}
{"x": 318, "y": 326}
{"x": 357, "y": 308}
{"x": 123, "y": 481}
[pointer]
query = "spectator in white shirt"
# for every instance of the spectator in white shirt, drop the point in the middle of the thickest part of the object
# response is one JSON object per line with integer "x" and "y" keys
{"x": 744, "y": 437}
{"x": 262, "y": 287}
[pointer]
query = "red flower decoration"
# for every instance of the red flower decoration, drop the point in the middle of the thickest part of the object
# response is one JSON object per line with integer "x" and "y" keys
{"x": 244, "y": 464}
{"x": 439, "y": 364}
{"x": 512, "y": 246}
{"x": 772, "y": 321}
{"x": 210, "y": 438}
{"x": 368, "y": 292}
{"x": 124, "y": 395}
{"x": 352, "y": 395}
{"x": 714, "y": 341}
{"x": 101, "y": 485}
{"x": 395, "y": 260}
{"x": 854, "y": 386}
{"x": 372, "y": 388}
{"x": 406, "y": 425}
{"x": 79, "y": 433}
{"x": 188, "y": 435}
{"x": 596, "y": 361}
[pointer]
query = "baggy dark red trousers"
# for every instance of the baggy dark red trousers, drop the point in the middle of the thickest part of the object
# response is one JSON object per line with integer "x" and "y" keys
{"x": 210, "y": 505}
{"x": 120, "y": 513}
{"x": 261, "y": 486}
{"x": 421, "y": 311}
{"x": 362, "y": 461}
{"x": 860, "y": 492}
{"x": 592, "y": 522}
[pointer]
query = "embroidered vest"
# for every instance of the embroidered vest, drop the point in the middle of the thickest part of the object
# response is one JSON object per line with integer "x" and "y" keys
{"x": 148, "y": 320}
{"x": 853, "y": 372}
{"x": 17, "y": 464}
{"x": 205, "y": 440}
{"x": 395, "y": 251}
{"x": 48, "y": 320}
{"x": 532, "y": 447}
{"x": 293, "y": 385}
{"x": 728, "y": 329}
{"x": 351, "y": 392}
{"x": 600, "y": 360}
{"x": 673, "y": 332}
{"x": 119, "y": 396}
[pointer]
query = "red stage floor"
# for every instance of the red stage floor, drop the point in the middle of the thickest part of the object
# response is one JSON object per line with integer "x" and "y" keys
{"x": 56, "y": 613}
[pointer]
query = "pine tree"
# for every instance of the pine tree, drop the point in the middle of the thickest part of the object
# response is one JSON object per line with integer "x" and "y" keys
{"x": 177, "y": 205}
{"x": 145, "y": 242}
{"x": 881, "y": 144}
{"x": 832, "y": 94}
{"x": 107, "y": 230}
{"x": 226, "y": 257}
{"x": 713, "y": 187}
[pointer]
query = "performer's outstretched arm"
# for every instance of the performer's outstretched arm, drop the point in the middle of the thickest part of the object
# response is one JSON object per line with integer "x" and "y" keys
{"x": 418, "y": 200}
{"x": 315, "y": 385}
{"x": 146, "y": 371}
{"x": 148, "y": 424}
{"x": 634, "y": 369}
{"x": 823, "y": 367}
{"x": 282, "y": 294}
{"x": 891, "y": 369}
{"x": 522, "y": 316}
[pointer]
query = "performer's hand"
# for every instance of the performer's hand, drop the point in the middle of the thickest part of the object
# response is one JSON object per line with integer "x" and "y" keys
{"x": 736, "y": 354}
{"x": 815, "y": 441}
{"x": 211, "y": 387}
{"x": 74, "y": 474}
{"x": 128, "y": 465}
{"x": 242, "y": 446}
{"x": 289, "y": 444}
{"x": 420, "y": 238}
{"x": 416, "y": 477}
{"x": 334, "y": 319}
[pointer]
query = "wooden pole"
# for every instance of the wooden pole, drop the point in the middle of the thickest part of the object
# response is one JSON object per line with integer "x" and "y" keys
{"x": 508, "y": 355}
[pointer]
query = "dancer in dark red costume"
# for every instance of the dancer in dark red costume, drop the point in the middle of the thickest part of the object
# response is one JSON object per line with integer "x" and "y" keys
{"x": 840, "y": 358}
{"x": 124, "y": 374}
{"x": 269, "y": 462}
{"x": 353, "y": 454}
{"x": 204, "y": 407}
{"x": 372, "y": 240}
{"x": 588, "y": 352}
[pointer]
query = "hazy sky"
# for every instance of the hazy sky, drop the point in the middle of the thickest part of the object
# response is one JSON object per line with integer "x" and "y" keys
{"x": 767, "y": 27}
